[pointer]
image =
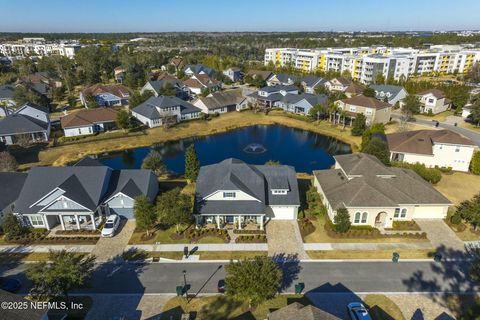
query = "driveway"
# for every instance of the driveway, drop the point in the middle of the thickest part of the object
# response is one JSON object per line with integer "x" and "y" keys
{"x": 109, "y": 248}
{"x": 440, "y": 235}
{"x": 284, "y": 237}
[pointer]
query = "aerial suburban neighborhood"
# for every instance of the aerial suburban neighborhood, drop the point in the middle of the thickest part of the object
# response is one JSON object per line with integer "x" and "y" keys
{"x": 218, "y": 169}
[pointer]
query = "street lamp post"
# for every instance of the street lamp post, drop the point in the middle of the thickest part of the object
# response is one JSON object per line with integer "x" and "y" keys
{"x": 185, "y": 283}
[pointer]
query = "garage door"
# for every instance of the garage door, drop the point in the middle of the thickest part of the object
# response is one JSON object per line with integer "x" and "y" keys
{"x": 284, "y": 213}
{"x": 123, "y": 212}
{"x": 433, "y": 212}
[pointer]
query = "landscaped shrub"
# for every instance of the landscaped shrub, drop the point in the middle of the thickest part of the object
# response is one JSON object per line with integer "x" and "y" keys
{"x": 456, "y": 219}
{"x": 306, "y": 227}
{"x": 259, "y": 238}
{"x": 237, "y": 231}
{"x": 194, "y": 235}
{"x": 77, "y": 232}
{"x": 432, "y": 175}
{"x": 342, "y": 220}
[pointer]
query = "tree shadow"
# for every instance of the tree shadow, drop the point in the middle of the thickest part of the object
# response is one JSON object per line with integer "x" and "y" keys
{"x": 290, "y": 266}
{"x": 28, "y": 154}
{"x": 333, "y": 299}
{"x": 445, "y": 281}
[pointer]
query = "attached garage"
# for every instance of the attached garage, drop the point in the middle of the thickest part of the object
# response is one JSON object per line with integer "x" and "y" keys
{"x": 123, "y": 212}
{"x": 284, "y": 212}
{"x": 430, "y": 212}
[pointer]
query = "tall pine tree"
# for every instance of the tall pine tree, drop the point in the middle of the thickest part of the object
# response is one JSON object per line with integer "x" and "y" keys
{"x": 192, "y": 165}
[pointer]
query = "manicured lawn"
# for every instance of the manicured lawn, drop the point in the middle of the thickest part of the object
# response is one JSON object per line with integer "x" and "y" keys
{"x": 222, "y": 307}
{"x": 464, "y": 231}
{"x": 320, "y": 236}
{"x": 371, "y": 254}
{"x": 405, "y": 226}
{"x": 441, "y": 117}
{"x": 161, "y": 236}
{"x": 66, "y": 154}
{"x": 230, "y": 255}
{"x": 382, "y": 308}
{"x": 211, "y": 240}
{"x": 395, "y": 127}
{"x": 459, "y": 186}
{"x": 18, "y": 257}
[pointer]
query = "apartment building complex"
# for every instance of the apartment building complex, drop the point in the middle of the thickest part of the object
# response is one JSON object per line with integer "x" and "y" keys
{"x": 365, "y": 63}
{"x": 38, "y": 47}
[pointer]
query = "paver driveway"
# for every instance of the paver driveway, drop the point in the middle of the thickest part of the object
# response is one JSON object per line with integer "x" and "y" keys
{"x": 109, "y": 248}
{"x": 440, "y": 235}
{"x": 284, "y": 237}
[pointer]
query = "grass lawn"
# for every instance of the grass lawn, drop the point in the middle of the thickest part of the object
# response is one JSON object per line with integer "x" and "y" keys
{"x": 222, "y": 307}
{"x": 371, "y": 254}
{"x": 66, "y": 154}
{"x": 464, "y": 231}
{"x": 162, "y": 236}
{"x": 395, "y": 127}
{"x": 382, "y": 308}
{"x": 468, "y": 125}
{"x": 230, "y": 255}
{"x": 459, "y": 186}
{"x": 320, "y": 236}
{"x": 211, "y": 239}
{"x": 441, "y": 117}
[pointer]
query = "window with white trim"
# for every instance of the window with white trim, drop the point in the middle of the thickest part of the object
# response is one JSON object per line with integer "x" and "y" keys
{"x": 364, "y": 217}
{"x": 229, "y": 195}
{"x": 403, "y": 213}
{"x": 36, "y": 220}
{"x": 400, "y": 213}
{"x": 357, "y": 217}
{"x": 279, "y": 191}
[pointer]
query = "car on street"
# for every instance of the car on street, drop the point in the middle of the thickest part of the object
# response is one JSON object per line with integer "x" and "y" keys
{"x": 221, "y": 286}
{"x": 10, "y": 284}
{"x": 111, "y": 226}
{"x": 357, "y": 311}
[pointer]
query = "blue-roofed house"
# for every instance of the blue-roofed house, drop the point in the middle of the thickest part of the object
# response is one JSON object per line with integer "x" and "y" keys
{"x": 6, "y": 96}
{"x": 389, "y": 93}
{"x": 106, "y": 95}
{"x": 191, "y": 69}
{"x": 301, "y": 103}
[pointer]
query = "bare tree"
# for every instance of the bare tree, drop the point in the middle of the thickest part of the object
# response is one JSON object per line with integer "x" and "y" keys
{"x": 7, "y": 162}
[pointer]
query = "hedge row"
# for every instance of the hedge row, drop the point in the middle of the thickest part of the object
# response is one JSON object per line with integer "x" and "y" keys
{"x": 259, "y": 238}
{"x": 432, "y": 175}
{"x": 77, "y": 232}
{"x": 369, "y": 233}
{"x": 194, "y": 235}
{"x": 19, "y": 240}
{"x": 237, "y": 231}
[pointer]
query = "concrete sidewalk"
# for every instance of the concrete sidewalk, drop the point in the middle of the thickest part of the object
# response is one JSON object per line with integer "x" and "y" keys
{"x": 367, "y": 246}
{"x": 46, "y": 248}
{"x": 201, "y": 247}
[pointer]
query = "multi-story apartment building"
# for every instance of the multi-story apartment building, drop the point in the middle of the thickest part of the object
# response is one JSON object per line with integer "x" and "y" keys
{"x": 366, "y": 63}
{"x": 38, "y": 47}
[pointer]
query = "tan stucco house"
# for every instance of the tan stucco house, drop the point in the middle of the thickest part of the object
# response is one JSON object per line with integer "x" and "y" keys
{"x": 374, "y": 110}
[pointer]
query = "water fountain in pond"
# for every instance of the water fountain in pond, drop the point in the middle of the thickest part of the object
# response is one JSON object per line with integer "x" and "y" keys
{"x": 255, "y": 148}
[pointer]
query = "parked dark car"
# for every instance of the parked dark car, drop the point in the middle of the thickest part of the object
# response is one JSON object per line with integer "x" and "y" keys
{"x": 221, "y": 286}
{"x": 10, "y": 285}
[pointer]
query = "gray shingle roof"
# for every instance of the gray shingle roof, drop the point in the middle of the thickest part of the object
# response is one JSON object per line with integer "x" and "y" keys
{"x": 312, "y": 81}
{"x": 363, "y": 183}
{"x": 39, "y": 313}
{"x": 222, "y": 99}
{"x": 197, "y": 68}
{"x": 312, "y": 99}
{"x": 278, "y": 88}
{"x": 297, "y": 311}
{"x": 6, "y": 91}
{"x": 158, "y": 84}
{"x": 131, "y": 183}
{"x": 11, "y": 183}
{"x": 149, "y": 107}
{"x": 19, "y": 123}
{"x": 393, "y": 90}
{"x": 256, "y": 181}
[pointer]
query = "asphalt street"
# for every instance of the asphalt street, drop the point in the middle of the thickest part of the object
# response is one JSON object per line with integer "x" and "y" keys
{"x": 342, "y": 276}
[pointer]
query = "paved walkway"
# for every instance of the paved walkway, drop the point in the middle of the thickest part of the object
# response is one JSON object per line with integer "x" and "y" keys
{"x": 200, "y": 247}
{"x": 110, "y": 248}
{"x": 440, "y": 235}
{"x": 46, "y": 248}
{"x": 284, "y": 237}
{"x": 367, "y": 246}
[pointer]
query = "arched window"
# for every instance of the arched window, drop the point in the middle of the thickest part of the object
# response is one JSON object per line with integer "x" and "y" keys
{"x": 404, "y": 213}
{"x": 364, "y": 217}
{"x": 357, "y": 217}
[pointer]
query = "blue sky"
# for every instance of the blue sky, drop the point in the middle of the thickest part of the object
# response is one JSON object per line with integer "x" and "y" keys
{"x": 236, "y": 15}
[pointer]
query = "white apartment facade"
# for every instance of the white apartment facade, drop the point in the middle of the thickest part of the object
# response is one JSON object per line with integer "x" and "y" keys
{"x": 365, "y": 63}
{"x": 26, "y": 47}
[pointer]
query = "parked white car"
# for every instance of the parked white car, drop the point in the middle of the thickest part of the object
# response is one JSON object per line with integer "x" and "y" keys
{"x": 111, "y": 226}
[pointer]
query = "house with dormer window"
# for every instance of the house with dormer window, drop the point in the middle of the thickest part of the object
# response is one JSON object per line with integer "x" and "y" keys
{"x": 389, "y": 93}
{"x": 235, "y": 194}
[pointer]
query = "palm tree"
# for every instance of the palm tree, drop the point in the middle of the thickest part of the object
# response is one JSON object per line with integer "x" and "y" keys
{"x": 343, "y": 114}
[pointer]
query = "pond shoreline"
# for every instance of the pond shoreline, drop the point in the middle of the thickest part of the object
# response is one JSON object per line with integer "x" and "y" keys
{"x": 67, "y": 154}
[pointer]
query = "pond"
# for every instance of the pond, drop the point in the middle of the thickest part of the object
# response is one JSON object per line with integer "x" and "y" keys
{"x": 304, "y": 150}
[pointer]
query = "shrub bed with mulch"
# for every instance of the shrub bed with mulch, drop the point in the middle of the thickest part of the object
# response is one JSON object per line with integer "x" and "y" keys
{"x": 54, "y": 240}
{"x": 259, "y": 238}
{"x": 237, "y": 231}
{"x": 78, "y": 232}
{"x": 368, "y": 232}
{"x": 194, "y": 235}
{"x": 306, "y": 227}
{"x": 404, "y": 226}
{"x": 29, "y": 236}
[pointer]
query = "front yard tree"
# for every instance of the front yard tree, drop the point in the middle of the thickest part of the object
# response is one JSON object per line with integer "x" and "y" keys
{"x": 411, "y": 106}
{"x": 192, "y": 165}
{"x": 144, "y": 213}
{"x": 369, "y": 92}
{"x": 359, "y": 125}
{"x": 378, "y": 148}
{"x": 153, "y": 161}
{"x": 174, "y": 208}
{"x": 254, "y": 280}
{"x": 12, "y": 226}
{"x": 65, "y": 272}
{"x": 7, "y": 162}
{"x": 123, "y": 120}
{"x": 469, "y": 210}
{"x": 342, "y": 220}
{"x": 475, "y": 164}
{"x": 168, "y": 90}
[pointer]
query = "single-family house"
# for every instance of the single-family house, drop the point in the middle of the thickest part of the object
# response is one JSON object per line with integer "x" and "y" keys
{"x": 119, "y": 74}
{"x": 434, "y": 101}
{"x": 156, "y": 86}
{"x": 339, "y": 84}
{"x": 375, "y": 111}
{"x": 221, "y": 102}
{"x": 155, "y": 110}
{"x": 233, "y": 73}
{"x": 235, "y": 193}
{"x": 301, "y": 103}
{"x": 41, "y": 83}
{"x": 29, "y": 123}
{"x": 310, "y": 83}
{"x": 199, "y": 82}
{"x": 88, "y": 121}
{"x": 377, "y": 195}
{"x": 76, "y": 197}
{"x": 433, "y": 148}
{"x": 11, "y": 183}
{"x": 267, "y": 96}
{"x": 389, "y": 93}
{"x": 354, "y": 90}
{"x": 106, "y": 95}
{"x": 298, "y": 311}
{"x": 6, "y": 96}
{"x": 191, "y": 69}
{"x": 260, "y": 75}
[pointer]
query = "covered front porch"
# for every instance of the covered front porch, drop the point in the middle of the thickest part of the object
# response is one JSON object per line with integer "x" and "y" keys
{"x": 240, "y": 222}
